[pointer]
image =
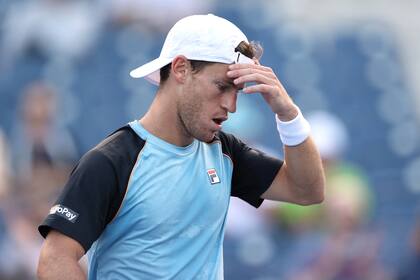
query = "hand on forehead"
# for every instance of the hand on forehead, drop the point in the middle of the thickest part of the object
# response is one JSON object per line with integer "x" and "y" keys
{"x": 242, "y": 73}
{"x": 240, "y": 69}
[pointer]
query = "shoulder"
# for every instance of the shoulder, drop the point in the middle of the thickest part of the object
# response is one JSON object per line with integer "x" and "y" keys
{"x": 121, "y": 145}
{"x": 116, "y": 154}
{"x": 122, "y": 141}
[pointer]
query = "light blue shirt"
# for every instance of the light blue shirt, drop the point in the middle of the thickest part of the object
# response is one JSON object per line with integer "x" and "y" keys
{"x": 171, "y": 221}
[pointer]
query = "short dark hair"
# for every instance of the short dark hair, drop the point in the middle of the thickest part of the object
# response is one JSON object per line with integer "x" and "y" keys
{"x": 250, "y": 50}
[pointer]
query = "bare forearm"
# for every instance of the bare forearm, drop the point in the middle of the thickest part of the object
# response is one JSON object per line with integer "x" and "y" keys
{"x": 63, "y": 268}
{"x": 59, "y": 258}
{"x": 301, "y": 178}
{"x": 304, "y": 169}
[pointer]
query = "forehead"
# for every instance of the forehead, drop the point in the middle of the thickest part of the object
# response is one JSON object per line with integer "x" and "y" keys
{"x": 215, "y": 72}
{"x": 219, "y": 69}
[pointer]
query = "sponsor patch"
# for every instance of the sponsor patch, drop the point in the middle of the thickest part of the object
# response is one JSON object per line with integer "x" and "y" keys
{"x": 214, "y": 179}
{"x": 64, "y": 212}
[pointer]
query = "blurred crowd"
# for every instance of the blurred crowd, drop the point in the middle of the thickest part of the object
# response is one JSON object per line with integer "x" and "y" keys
{"x": 34, "y": 162}
{"x": 334, "y": 240}
{"x": 65, "y": 85}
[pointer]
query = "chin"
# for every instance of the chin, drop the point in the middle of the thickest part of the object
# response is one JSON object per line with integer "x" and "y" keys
{"x": 208, "y": 137}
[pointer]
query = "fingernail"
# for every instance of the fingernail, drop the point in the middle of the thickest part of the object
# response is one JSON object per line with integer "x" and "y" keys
{"x": 229, "y": 73}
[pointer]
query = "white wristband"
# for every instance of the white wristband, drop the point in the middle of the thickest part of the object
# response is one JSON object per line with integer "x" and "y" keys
{"x": 293, "y": 132}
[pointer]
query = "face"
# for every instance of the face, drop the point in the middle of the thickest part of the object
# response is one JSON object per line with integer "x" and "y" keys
{"x": 206, "y": 99}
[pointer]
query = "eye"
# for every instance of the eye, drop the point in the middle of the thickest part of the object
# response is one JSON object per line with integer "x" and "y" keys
{"x": 222, "y": 87}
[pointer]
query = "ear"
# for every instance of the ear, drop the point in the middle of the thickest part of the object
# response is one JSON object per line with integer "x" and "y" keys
{"x": 180, "y": 68}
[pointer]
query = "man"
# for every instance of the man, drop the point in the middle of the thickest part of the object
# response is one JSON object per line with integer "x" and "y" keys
{"x": 150, "y": 201}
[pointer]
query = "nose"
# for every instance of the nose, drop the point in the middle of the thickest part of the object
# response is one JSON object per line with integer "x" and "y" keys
{"x": 229, "y": 101}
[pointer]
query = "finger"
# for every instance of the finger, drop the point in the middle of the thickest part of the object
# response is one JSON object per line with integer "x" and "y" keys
{"x": 254, "y": 77}
{"x": 247, "y": 65}
{"x": 260, "y": 88}
{"x": 246, "y": 71}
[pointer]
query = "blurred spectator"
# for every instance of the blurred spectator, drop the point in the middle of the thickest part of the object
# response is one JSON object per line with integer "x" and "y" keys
{"x": 9, "y": 267}
{"x": 43, "y": 153}
{"x": 330, "y": 135}
{"x": 56, "y": 29}
{"x": 38, "y": 140}
{"x": 335, "y": 240}
{"x": 345, "y": 248}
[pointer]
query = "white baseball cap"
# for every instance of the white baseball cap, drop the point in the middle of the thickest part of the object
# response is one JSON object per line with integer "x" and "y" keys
{"x": 197, "y": 37}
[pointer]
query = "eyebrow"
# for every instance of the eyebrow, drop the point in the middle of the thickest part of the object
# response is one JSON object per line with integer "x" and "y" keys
{"x": 229, "y": 82}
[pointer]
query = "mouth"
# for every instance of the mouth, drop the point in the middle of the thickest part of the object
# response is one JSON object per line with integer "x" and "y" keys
{"x": 219, "y": 121}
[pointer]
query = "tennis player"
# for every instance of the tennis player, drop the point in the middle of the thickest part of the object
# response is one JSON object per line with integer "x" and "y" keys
{"x": 150, "y": 201}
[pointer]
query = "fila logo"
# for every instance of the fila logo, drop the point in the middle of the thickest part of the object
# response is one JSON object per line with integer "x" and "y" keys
{"x": 64, "y": 212}
{"x": 214, "y": 179}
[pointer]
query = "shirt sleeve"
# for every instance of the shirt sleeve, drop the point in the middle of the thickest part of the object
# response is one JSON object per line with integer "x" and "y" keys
{"x": 90, "y": 199}
{"x": 253, "y": 170}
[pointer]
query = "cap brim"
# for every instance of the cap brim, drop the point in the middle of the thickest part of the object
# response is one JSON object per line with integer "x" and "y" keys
{"x": 150, "y": 70}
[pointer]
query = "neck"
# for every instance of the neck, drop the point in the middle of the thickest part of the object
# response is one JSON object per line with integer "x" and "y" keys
{"x": 162, "y": 120}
